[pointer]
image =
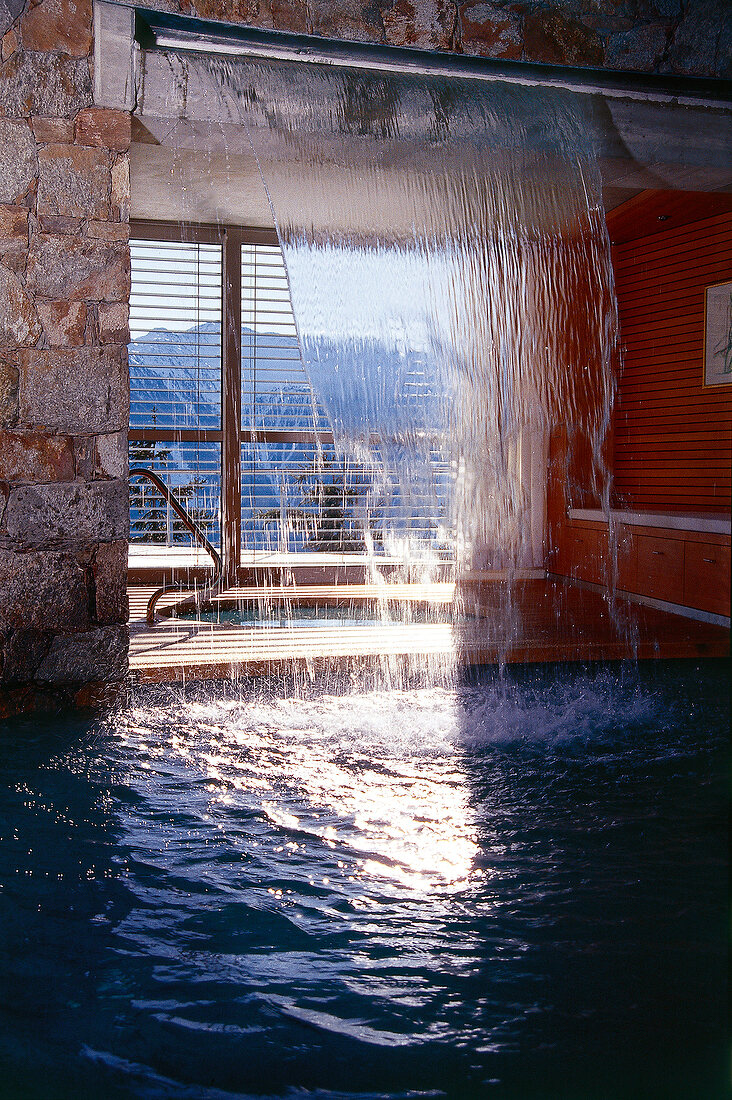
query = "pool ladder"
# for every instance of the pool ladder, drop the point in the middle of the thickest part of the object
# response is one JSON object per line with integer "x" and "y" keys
{"x": 202, "y": 596}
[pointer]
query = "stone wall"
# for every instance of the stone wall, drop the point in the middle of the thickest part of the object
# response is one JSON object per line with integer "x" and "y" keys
{"x": 64, "y": 391}
{"x": 64, "y": 281}
{"x": 689, "y": 37}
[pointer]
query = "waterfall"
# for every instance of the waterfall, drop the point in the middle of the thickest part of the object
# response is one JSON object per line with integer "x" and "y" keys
{"x": 450, "y": 274}
{"x": 451, "y": 279}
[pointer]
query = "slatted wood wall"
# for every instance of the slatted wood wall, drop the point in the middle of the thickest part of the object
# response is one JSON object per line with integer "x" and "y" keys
{"x": 672, "y": 436}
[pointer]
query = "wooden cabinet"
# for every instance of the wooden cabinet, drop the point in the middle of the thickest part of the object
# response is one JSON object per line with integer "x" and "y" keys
{"x": 707, "y": 577}
{"x": 660, "y": 568}
{"x": 684, "y": 567}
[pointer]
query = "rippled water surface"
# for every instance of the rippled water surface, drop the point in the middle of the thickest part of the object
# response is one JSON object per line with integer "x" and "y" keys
{"x": 512, "y": 888}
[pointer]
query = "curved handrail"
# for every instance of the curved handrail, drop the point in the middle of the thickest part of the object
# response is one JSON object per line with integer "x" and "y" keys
{"x": 208, "y": 590}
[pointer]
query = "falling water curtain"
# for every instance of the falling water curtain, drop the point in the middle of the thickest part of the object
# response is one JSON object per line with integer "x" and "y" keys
{"x": 450, "y": 277}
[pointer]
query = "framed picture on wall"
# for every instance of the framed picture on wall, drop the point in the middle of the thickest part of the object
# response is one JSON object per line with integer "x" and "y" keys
{"x": 718, "y": 335}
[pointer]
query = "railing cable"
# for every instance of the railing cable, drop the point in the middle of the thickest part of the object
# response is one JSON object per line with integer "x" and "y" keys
{"x": 209, "y": 590}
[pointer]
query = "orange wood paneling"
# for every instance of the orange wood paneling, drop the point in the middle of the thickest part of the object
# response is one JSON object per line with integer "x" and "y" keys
{"x": 707, "y": 577}
{"x": 672, "y": 440}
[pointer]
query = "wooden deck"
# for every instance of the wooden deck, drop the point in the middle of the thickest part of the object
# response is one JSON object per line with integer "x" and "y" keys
{"x": 544, "y": 620}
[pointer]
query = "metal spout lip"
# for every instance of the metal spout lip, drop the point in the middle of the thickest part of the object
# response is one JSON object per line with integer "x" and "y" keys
{"x": 163, "y": 30}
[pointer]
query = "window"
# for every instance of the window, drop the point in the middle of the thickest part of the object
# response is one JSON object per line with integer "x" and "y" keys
{"x": 222, "y": 408}
{"x": 175, "y": 385}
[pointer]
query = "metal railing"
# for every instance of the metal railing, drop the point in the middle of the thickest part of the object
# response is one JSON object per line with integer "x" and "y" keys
{"x": 202, "y": 596}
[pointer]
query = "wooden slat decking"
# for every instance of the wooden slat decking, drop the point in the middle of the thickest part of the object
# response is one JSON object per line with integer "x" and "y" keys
{"x": 536, "y": 621}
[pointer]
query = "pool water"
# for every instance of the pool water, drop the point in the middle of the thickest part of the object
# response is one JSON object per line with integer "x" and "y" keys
{"x": 512, "y": 888}
{"x": 268, "y": 615}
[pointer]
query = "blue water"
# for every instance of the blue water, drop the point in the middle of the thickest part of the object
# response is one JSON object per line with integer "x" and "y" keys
{"x": 515, "y": 888}
{"x": 287, "y": 614}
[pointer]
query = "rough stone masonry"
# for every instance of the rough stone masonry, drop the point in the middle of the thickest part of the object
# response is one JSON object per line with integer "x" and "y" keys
{"x": 64, "y": 282}
{"x": 64, "y": 391}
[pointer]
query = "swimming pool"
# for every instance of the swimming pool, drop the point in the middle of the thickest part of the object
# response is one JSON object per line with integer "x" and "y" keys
{"x": 288, "y": 615}
{"x": 513, "y": 887}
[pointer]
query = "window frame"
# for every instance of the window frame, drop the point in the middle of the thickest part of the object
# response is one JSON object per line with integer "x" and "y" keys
{"x": 230, "y": 435}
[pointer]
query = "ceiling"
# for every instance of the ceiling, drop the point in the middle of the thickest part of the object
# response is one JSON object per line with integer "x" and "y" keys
{"x": 651, "y": 212}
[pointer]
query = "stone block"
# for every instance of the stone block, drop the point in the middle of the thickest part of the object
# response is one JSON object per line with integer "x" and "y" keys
{"x": 84, "y": 456}
{"x": 63, "y": 322}
{"x": 9, "y": 12}
{"x": 350, "y": 19}
{"x": 19, "y": 324}
{"x": 13, "y": 238}
{"x": 110, "y": 455}
{"x": 104, "y": 127}
{"x": 702, "y": 42}
{"x": 291, "y": 15}
{"x": 44, "y": 84}
{"x": 606, "y": 24}
{"x": 18, "y": 159}
{"x": 114, "y": 323}
{"x": 73, "y": 181}
{"x": 43, "y": 591}
{"x": 32, "y": 698}
{"x": 62, "y": 515}
{"x": 78, "y": 390}
{"x": 489, "y": 31}
{"x": 660, "y": 9}
{"x": 399, "y": 23}
{"x": 9, "y": 45}
{"x": 98, "y": 655}
{"x": 108, "y": 231}
{"x": 24, "y": 652}
{"x": 63, "y": 267}
{"x": 36, "y": 456}
{"x": 110, "y": 577}
{"x": 57, "y": 223}
{"x": 101, "y": 456}
{"x": 59, "y": 25}
{"x": 428, "y": 24}
{"x": 9, "y": 387}
{"x": 13, "y": 223}
{"x": 99, "y": 698}
{"x": 638, "y": 49}
{"x": 58, "y": 131}
{"x": 552, "y": 38}
{"x": 254, "y": 12}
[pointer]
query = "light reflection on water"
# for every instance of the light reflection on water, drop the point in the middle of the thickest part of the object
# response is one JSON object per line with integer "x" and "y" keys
{"x": 352, "y": 893}
{"x": 325, "y": 769}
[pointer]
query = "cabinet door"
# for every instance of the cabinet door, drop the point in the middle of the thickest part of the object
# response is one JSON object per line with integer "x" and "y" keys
{"x": 585, "y": 555}
{"x": 627, "y": 551}
{"x": 706, "y": 577}
{"x": 660, "y": 564}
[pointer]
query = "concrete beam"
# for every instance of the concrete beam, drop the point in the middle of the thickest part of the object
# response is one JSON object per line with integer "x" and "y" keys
{"x": 115, "y": 56}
